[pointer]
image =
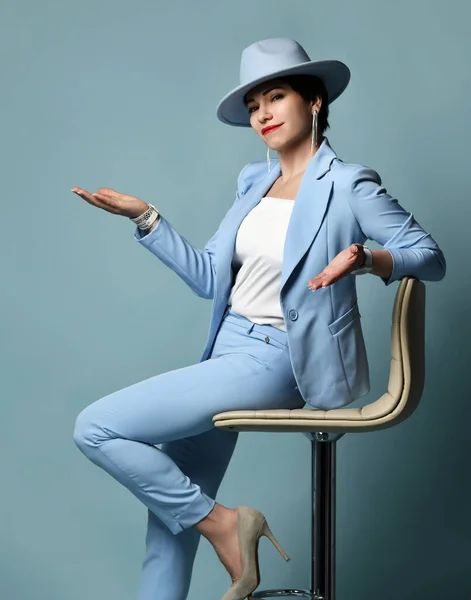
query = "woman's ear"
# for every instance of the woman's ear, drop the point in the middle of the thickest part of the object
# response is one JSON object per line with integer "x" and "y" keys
{"x": 316, "y": 104}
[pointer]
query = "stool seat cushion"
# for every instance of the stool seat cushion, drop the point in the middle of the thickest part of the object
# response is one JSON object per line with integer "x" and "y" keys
{"x": 405, "y": 386}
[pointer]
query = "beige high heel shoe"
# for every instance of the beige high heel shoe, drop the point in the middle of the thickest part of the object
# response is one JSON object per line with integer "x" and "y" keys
{"x": 251, "y": 525}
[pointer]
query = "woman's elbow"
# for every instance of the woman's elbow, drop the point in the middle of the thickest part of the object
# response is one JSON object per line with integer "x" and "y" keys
{"x": 438, "y": 266}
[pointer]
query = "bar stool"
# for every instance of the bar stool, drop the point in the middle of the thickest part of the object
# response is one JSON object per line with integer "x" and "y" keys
{"x": 324, "y": 428}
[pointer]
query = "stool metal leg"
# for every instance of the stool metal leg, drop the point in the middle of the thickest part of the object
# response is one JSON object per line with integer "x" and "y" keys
{"x": 323, "y": 457}
{"x": 323, "y": 520}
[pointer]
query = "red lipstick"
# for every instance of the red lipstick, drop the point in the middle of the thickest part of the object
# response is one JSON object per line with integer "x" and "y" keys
{"x": 270, "y": 128}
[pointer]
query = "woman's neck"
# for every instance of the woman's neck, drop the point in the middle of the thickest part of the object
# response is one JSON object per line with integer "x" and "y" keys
{"x": 293, "y": 162}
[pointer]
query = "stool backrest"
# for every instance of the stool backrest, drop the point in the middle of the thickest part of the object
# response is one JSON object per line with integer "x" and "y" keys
{"x": 407, "y": 367}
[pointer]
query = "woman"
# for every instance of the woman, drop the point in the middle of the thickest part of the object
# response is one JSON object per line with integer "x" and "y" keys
{"x": 296, "y": 226}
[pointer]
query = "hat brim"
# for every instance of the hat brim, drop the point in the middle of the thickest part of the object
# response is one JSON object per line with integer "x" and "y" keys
{"x": 335, "y": 75}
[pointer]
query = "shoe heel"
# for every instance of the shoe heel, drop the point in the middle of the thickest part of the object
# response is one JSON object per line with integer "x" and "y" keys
{"x": 266, "y": 531}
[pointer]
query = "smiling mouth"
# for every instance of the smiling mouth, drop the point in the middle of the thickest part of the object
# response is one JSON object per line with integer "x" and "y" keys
{"x": 270, "y": 129}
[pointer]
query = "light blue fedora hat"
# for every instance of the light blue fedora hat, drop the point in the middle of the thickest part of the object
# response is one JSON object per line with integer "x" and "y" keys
{"x": 275, "y": 57}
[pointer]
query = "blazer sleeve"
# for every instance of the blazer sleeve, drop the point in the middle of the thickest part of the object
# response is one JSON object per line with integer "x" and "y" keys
{"x": 382, "y": 219}
{"x": 196, "y": 267}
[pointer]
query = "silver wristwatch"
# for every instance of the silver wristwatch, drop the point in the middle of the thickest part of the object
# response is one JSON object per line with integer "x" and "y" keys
{"x": 367, "y": 266}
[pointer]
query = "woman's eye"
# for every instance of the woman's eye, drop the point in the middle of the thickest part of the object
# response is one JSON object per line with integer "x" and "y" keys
{"x": 251, "y": 109}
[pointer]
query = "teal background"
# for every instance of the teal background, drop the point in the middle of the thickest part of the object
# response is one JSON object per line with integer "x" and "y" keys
{"x": 123, "y": 95}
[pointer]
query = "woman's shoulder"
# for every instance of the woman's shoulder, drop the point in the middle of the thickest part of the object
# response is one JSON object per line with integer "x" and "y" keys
{"x": 249, "y": 174}
{"x": 350, "y": 174}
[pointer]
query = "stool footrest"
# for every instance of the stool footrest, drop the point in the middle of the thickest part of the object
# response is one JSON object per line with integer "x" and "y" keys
{"x": 261, "y": 595}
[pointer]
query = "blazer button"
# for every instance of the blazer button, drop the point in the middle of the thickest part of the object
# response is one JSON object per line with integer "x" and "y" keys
{"x": 293, "y": 314}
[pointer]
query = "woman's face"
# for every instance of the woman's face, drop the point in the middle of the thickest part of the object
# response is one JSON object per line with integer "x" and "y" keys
{"x": 276, "y": 103}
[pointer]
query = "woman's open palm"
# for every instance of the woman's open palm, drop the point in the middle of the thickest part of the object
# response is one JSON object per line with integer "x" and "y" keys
{"x": 344, "y": 263}
{"x": 114, "y": 202}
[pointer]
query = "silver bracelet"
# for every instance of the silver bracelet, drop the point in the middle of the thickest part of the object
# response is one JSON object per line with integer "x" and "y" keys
{"x": 146, "y": 220}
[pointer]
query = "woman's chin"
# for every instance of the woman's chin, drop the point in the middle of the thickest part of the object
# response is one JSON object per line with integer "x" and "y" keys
{"x": 277, "y": 147}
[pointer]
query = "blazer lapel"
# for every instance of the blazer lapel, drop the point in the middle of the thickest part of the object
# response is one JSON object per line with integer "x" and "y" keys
{"x": 227, "y": 236}
{"x": 309, "y": 209}
{"x": 306, "y": 218}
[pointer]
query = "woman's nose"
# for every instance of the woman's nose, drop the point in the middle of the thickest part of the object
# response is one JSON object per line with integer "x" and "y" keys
{"x": 264, "y": 115}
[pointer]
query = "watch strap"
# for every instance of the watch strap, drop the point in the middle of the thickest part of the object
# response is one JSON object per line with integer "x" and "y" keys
{"x": 367, "y": 266}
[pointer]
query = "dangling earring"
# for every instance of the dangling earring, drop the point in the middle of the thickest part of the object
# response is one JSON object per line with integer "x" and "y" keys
{"x": 314, "y": 130}
{"x": 268, "y": 158}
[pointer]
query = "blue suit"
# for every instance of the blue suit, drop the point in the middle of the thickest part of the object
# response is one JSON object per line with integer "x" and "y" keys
{"x": 320, "y": 359}
{"x": 337, "y": 204}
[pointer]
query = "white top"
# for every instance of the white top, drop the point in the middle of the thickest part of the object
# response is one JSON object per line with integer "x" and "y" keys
{"x": 257, "y": 262}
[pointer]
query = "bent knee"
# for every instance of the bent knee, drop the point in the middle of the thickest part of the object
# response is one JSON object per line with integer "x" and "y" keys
{"x": 87, "y": 430}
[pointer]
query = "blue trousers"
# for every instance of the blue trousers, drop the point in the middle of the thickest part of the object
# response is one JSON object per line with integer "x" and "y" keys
{"x": 249, "y": 368}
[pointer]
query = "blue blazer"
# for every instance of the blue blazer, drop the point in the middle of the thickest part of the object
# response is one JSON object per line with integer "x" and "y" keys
{"x": 337, "y": 204}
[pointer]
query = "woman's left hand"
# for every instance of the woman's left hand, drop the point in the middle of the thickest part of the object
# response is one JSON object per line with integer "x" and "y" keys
{"x": 344, "y": 263}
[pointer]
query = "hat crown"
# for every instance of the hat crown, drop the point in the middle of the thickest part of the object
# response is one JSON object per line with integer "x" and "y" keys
{"x": 270, "y": 56}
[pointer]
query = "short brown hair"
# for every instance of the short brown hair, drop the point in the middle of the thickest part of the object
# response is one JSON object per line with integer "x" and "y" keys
{"x": 309, "y": 87}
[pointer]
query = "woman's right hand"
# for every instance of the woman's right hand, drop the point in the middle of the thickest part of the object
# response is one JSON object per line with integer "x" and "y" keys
{"x": 114, "y": 202}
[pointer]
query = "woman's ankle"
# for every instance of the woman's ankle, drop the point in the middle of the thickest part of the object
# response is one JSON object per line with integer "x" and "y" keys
{"x": 218, "y": 522}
